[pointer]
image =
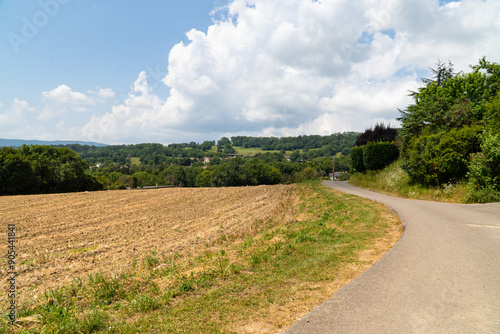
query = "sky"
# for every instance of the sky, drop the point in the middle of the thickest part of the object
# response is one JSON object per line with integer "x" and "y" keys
{"x": 165, "y": 71}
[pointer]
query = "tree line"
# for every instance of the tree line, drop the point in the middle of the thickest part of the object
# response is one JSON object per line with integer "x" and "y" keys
{"x": 43, "y": 169}
{"x": 180, "y": 154}
{"x": 74, "y": 167}
{"x": 267, "y": 168}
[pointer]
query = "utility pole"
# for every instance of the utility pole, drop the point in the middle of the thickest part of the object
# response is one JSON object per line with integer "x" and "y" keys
{"x": 333, "y": 169}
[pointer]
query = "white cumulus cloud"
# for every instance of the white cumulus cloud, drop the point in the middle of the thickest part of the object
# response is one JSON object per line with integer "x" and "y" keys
{"x": 63, "y": 99}
{"x": 15, "y": 121}
{"x": 136, "y": 114}
{"x": 19, "y": 113}
{"x": 299, "y": 66}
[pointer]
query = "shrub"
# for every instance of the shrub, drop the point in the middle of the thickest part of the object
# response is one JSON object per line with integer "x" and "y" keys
{"x": 307, "y": 173}
{"x": 484, "y": 171}
{"x": 204, "y": 179}
{"x": 373, "y": 156}
{"x": 379, "y": 155}
{"x": 357, "y": 159}
{"x": 441, "y": 158}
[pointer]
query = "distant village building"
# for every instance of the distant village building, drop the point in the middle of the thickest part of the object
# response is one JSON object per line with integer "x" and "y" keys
{"x": 99, "y": 165}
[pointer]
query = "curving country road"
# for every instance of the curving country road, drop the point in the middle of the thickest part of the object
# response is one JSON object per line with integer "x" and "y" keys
{"x": 443, "y": 275}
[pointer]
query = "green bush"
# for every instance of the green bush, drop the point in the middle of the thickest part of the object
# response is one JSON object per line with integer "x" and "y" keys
{"x": 493, "y": 113}
{"x": 204, "y": 179}
{"x": 484, "y": 171}
{"x": 373, "y": 156}
{"x": 357, "y": 159}
{"x": 443, "y": 157}
{"x": 378, "y": 155}
{"x": 307, "y": 173}
{"x": 16, "y": 174}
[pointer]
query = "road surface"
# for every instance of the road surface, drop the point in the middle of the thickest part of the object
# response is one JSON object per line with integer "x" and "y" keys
{"x": 442, "y": 276}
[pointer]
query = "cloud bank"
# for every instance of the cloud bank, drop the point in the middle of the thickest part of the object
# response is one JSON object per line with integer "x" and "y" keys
{"x": 268, "y": 67}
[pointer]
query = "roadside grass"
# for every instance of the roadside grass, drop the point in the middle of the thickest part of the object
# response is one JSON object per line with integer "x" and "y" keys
{"x": 257, "y": 282}
{"x": 393, "y": 180}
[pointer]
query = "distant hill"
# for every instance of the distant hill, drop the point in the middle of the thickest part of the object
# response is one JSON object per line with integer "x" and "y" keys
{"x": 21, "y": 142}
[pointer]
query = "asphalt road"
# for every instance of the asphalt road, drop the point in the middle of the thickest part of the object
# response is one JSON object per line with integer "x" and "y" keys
{"x": 442, "y": 276}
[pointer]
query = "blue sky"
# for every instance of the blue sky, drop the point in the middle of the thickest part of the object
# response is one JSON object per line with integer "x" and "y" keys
{"x": 92, "y": 41}
{"x": 175, "y": 71}
{"x": 90, "y": 44}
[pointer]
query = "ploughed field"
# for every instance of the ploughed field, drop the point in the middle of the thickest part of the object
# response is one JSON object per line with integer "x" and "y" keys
{"x": 181, "y": 260}
{"x": 63, "y": 236}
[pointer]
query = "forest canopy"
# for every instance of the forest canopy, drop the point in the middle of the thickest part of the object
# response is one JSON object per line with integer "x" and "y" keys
{"x": 43, "y": 169}
{"x": 267, "y": 160}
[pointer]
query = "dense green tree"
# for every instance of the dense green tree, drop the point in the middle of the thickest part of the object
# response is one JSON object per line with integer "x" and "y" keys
{"x": 124, "y": 181}
{"x": 307, "y": 173}
{"x": 295, "y": 156}
{"x": 16, "y": 174}
{"x": 144, "y": 179}
{"x": 492, "y": 116}
{"x": 44, "y": 169}
{"x": 379, "y": 155}
{"x": 204, "y": 179}
{"x": 174, "y": 175}
{"x": 184, "y": 162}
{"x": 223, "y": 141}
{"x": 358, "y": 164}
{"x": 441, "y": 132}
{"x": 440, "y": 158}
{"x": 191, "y": 175}
{"x": 450, "y": 101}
{"x": 343, "y": 163}
{"x": 379, "y": 133}
{"x": 207, "y": 145}
{"x": 228, "y": 149}
{"x": 312, "y": 154}
{"x": 256, "y": 172}
{"x": 484, "y": 170}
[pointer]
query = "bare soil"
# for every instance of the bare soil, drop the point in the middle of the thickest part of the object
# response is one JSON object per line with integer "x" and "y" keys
{"x": 63, "y": 236}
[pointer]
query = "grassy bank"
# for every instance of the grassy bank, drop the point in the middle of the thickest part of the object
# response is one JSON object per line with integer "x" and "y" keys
{"x": 393, "y": 180}
{"x": 260, "y": 281}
